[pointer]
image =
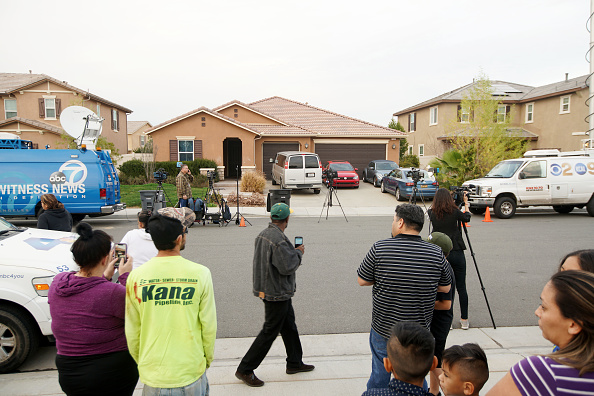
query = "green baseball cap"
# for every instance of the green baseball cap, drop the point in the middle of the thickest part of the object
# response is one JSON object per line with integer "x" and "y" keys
{"x": 442, "y": 240}
{"x": 280, "y": 211}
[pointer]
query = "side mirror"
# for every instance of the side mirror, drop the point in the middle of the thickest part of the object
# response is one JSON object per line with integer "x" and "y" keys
{"x": 356, "y": 169}
{"x": 522, "y": 175}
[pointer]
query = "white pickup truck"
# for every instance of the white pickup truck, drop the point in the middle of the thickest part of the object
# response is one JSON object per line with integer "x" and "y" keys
{"x": 29, "y": 260}
{"x": 541, "y": 178}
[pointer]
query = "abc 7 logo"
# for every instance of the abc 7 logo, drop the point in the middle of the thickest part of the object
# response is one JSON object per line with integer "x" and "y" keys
{"x": 71, "y": 172}
{"x": 57, "y": 178}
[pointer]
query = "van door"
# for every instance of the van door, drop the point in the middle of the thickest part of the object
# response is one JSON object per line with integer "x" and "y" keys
{"x": 295, "y": 173}
{"x": 533, "y": 184}
{"x": 313, "y": 171}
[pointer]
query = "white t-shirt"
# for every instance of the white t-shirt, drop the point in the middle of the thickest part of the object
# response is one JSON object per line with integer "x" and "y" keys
{"x": 140, "y": 246}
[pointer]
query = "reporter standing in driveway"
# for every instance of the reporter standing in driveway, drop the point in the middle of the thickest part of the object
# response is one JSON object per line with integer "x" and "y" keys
{"x": 275, "y": 262}
{"x": 182, "y": 182}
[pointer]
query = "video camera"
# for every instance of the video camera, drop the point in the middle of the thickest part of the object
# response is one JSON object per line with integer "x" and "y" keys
{"x": 331, "y": 175}
{"x": 459, "y": 194}
{"x": 415, "y": 175}
{"x": 160, "y": 175}
{"x": 211, "y": 178}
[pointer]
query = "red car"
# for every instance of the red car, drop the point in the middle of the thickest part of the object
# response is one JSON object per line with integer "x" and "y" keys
{"x": 341, "y": 173}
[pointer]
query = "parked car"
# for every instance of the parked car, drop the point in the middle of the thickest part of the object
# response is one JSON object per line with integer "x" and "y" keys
{"x": 29, "y": 260}
{"x": 400, "y": 183}
{"x": 376, "y": 170}
{"x": 297, "y": 170}
{"x": 344, "y": 174}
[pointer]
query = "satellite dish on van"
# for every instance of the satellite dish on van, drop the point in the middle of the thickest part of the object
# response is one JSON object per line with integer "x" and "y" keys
{"x": 82, "y": 124}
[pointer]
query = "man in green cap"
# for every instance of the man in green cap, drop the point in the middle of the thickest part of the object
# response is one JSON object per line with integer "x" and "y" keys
{"x": 275, "y": 262}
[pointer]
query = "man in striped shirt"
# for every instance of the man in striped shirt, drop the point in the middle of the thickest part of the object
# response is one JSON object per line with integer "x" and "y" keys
{"x": 406, "y": 273}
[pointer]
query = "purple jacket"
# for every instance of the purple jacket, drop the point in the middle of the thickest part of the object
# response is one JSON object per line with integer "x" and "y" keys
{"x": 87, "y": 314}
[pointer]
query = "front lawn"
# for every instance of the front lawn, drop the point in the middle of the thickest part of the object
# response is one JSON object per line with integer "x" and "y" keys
{"x": 130, "y": 194}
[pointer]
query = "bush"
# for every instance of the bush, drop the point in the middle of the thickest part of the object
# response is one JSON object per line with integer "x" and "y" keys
{"x": 133, "y": 168}
{"x": 253, "y": 181}
{"x": 195, "y": 166}
{"x": 130, "y": 170}
{"x": 408, "y": 161}
{"x": 132, "y": 180}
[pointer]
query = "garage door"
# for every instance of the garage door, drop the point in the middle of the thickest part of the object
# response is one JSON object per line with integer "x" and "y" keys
{"x": 269, "y": 150}
{"x": 359, "y": 155}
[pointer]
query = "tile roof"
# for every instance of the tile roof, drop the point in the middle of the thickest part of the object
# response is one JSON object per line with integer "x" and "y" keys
{"x": 319, "y": 121}
{"x": 237, "y": 102}
{"x": 280, "y": 130}
{"x": 33, "y": 123}
{"x": 525, "y": 93}
{"x": 133, "y": 126}
{"x": 12, "y": 82}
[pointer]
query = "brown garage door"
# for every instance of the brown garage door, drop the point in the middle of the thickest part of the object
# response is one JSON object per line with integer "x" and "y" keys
{"x": 269, "y": 150}
{"x": 359, "y": 155}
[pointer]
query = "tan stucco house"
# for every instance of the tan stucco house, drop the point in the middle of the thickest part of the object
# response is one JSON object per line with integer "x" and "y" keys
{"x": 137, "y": 136}
{"x": 31, "y": 104}
{"x": 249, "y": 135}
{"x": 550, "y": 116}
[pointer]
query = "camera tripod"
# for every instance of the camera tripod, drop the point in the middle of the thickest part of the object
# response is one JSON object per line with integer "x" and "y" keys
{"x": 158, "y": 197}
{"x": 237, "y": 216}
{"x": 211, "y": 197}
{"x": 328, "y": 199}
{"x": 413, "y": 197}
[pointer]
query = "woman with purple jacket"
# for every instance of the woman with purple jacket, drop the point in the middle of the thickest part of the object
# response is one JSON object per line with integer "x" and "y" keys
{"x": 88, "y": 313}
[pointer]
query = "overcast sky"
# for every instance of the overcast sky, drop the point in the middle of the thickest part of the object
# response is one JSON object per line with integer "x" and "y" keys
{"x": 364, "y": 59}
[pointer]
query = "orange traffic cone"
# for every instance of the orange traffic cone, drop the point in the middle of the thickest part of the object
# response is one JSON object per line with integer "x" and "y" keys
{"x": 487, "y": 216}
{"x": 242, "y": 222}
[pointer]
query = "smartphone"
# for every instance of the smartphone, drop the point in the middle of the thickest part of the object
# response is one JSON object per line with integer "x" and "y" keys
{"x": 298, "y": 241}
{"x": 120, "y": 250}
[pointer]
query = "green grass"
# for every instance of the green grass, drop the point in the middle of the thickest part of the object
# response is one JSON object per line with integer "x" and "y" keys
{"x": 130, "y": 194}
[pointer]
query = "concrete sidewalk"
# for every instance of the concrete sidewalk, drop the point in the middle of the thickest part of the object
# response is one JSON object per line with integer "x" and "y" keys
{"x": 343, "y": 364}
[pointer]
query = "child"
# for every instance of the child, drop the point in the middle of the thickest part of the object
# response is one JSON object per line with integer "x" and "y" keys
{"x": 410, "y": 357}
{"x": 465, "y": 370}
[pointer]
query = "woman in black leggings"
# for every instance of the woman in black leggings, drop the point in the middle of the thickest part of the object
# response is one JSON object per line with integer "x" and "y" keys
{"x": 446, "y": 217}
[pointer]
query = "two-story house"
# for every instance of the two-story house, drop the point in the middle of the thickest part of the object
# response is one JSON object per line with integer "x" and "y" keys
{"x": 30, "y": 107}
{"x": 550, "y": 116}
{"x": 137, "y": 136}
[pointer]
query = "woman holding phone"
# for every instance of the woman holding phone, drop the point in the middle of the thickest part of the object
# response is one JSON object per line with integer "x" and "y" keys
{"x": 88, "y": 313}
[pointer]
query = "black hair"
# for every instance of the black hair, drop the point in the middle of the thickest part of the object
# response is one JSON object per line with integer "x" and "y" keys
{"x": 412, "y": 215}
{"x": 164, "y": 231}
{"x": 143, "y": 218}
{"x": 411, "y": 351}
{"x": 585, "y": 257}
{"x": 91, "y": 247}
{"x": 470, "y": 362}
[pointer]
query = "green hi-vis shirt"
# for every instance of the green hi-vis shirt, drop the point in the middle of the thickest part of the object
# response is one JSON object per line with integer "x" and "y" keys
{"x": 171, "y": 321}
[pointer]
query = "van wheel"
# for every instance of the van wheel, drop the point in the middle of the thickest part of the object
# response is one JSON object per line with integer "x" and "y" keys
{"x": 477, "y": 211}
{"x": 590, "y": 207}
{"x": 273, "y": 182}
{"x": 77, "y": 217}
{"x": 18, "y": 339}
{"x": 316, "y": 190}
{"x": 563, "y": 208}
{"x": 504, "y": 207}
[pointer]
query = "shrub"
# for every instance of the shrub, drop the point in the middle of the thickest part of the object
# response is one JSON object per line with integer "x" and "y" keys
{"x": 133, "y": 168}
{"x": 171, "y": 167}
{"x": 253, "y": 181}
{"x": 132, "y": 180}
{"x": 408, "y": 161}
{"x": 256, "y": 199}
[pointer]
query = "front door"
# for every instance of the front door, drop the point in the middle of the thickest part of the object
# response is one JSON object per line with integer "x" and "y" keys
{"x": 232, "y": 157}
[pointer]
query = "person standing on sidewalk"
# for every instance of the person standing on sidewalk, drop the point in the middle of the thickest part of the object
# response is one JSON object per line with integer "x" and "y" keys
{"x": 406, "y": 273}
{"x": 171, "y": 320}
{"x": 182, "y": 182}
{"x": 275, "y": 262}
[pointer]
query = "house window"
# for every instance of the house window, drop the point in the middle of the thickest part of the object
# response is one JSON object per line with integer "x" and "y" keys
{"x": 115, "y": 120}
{"x": 204, "y": 124}
{"x": 565, "y": 102}
{"x": 433, "y": 116}
{"x": 421, "y": 150}
{"x": 203, "y": 119}
{"x": 529, "y": 112}
{"x": 50, "y": 108}
{"x": 235, "y": 110}
{"x": 501, "y": 112}
{"x": 142, "y": 140}
{"x": 412, "y": 122}
{"x": 235, "y": 115}
{"x": 410, "y": 150}
{"x": 465, "y": 115}
{"x": 98, "y": 110}
{"x": 185, "y": 150}
{"x": 10, "y": 108}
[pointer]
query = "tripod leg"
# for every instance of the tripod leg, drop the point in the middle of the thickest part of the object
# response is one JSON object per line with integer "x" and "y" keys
{"x": 337, "y": 200}
{"x": 323, "y": 206}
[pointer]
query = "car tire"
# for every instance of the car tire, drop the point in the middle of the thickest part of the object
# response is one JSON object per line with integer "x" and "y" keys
{"x": 504, "y": 208}
{"x": 383, "y": 187}
{"x": 563, "y": 209}
{"x": 316, "y": 190}
{"x": 18, "y": 338}
{"x": 364, "y": 177}
{"x": 399, "y": 196}
{"x": 477, "y": 211}
{"x": 590, "y": 206}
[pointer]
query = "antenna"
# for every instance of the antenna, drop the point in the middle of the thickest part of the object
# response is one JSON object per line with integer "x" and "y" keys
{"x": 82, "y": 124}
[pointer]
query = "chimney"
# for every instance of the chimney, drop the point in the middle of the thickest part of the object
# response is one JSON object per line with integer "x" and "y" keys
{"x": 566, "y": 77}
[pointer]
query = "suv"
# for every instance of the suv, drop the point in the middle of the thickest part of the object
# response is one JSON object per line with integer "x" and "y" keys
{"x": 29, "y": 260}
{"x": 297, "y": 170}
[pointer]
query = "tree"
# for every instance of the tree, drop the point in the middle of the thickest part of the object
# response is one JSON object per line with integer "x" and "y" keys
{"x": 403, "y": 142}
{"x": 481, "y": 135}
{"x": 69, "y": 142}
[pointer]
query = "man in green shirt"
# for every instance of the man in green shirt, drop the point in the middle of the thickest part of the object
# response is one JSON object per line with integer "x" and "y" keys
{"x": 171, "y": 323}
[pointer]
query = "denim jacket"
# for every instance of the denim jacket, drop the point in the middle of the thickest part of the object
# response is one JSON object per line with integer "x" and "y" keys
{"x": 275, "y": 263}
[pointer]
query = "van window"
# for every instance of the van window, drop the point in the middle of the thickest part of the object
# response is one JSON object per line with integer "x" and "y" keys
{"x": 535, "y": 170}
{"x": 296, "y": 162}
{"x": 280, "y": 160}
{"x": 311, "y": 162}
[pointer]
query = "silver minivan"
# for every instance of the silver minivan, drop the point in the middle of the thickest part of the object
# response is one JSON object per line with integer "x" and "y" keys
{"x": 297, "y": 170}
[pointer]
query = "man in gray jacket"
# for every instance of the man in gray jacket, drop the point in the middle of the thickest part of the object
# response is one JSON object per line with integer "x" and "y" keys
{"x": 275, "y": 263}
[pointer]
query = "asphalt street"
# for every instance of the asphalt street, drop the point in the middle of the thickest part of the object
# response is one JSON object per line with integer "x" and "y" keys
{"x": 515, "y": 258}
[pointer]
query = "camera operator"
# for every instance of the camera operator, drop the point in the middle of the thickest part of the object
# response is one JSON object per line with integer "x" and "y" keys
{"x": 446, "y": 217}
{"x": 182, "y": 181}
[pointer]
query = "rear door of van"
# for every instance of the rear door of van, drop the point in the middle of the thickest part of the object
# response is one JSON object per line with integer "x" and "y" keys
{"x": 313, "y": 169}
{"x": 294, "y": 173}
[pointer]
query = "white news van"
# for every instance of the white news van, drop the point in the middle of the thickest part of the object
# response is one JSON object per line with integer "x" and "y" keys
{"x": 563, "y": 180}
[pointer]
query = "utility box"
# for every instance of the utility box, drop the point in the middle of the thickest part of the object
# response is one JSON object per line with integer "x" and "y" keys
{"x": 152, "y": 200}
{"x": 278, "y": 196}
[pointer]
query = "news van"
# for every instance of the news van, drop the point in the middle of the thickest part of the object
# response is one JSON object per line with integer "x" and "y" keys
{"x": 563, "y": 180}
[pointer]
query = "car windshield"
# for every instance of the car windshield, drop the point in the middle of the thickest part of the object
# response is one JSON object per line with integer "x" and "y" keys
{"x": 386, "y": 165}
{"x": 505, "y": 169}
{"x": 5, "y": 225}
{"x": 341, "y": 167}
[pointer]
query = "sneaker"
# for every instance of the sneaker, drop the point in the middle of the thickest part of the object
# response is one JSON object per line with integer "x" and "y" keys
{"x": 249, "y": 379}
{"x": 465, "y": 324}
{"x": 301, "y": 369}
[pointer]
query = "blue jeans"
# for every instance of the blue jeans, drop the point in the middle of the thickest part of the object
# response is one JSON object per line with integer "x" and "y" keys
{"x": 199, "y": 387}
{"x": 379, "y": 376}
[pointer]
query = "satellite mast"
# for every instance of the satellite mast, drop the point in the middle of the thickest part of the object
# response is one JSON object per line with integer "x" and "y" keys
{"x": 81, "y": 124}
